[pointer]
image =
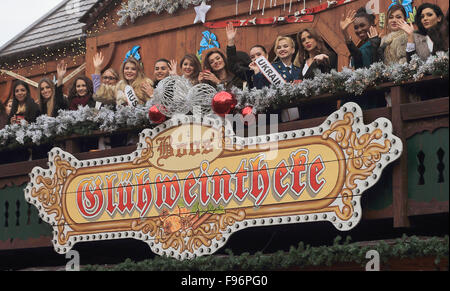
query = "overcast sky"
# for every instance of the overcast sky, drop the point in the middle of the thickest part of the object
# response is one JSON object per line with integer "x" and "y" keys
{"x": 16, "y": 15}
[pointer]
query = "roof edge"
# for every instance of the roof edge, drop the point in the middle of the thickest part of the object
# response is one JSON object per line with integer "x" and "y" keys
{"x": 33, "y": 25}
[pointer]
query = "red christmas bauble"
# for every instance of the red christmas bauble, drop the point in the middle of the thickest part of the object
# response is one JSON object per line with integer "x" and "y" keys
{"x": 156, "y": 115}
{"x": 247, "y": 114}
{"x": 247, "y": 110}
{"x": 223, "y": 103}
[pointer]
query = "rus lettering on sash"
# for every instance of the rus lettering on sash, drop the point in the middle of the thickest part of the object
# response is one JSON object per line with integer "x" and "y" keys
{"x": 131, "y": 96}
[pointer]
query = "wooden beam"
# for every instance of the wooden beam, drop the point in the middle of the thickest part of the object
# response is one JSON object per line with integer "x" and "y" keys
{"x": 400, "y": 170}
{"x": 91, "y": 50}
{"x": 425, "y": 109}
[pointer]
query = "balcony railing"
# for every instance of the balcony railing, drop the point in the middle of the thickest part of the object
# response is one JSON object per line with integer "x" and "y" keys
{"x": 415, "y": 184}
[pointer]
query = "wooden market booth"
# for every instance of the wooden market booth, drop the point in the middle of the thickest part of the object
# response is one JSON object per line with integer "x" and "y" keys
{"x": 35, "y": 52}
{"x": 412, "y": 187}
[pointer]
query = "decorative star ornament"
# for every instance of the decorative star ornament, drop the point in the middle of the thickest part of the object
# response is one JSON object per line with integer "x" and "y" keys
{"x": 201, "y": 12}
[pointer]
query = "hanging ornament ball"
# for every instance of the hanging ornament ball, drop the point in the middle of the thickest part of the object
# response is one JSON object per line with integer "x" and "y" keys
{"x": 171, "y": 93}
{"x": 247, "y": 110}
{"x": 200, "y": 97}
{"x": 223, "y": 103}
{"x": 155, "y": 114}
{"x": 248, "y": 115}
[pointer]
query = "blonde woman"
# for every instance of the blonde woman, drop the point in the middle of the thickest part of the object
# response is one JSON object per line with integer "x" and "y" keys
{"x": 132, "y": 74}
{"x": 392, "y": 49}
{"x": 284, "y": 50}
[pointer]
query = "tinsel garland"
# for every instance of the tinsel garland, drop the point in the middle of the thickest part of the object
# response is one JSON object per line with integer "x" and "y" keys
{"x": 108, "y": 119}
{"x": 300, "y": 256}
{"x": 347, "y": 81}
{"x": 134, "y": 9}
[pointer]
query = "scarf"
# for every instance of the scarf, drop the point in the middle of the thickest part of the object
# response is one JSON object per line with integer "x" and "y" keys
{"x": 79, "y": 101}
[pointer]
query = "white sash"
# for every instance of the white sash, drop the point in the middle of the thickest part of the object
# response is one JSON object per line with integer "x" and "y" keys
{"x": 131, "y": 96}
{"x": 269, "y": 72}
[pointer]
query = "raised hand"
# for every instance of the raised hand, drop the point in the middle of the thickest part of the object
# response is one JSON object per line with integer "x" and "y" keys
{"x": 173, "y": 68}
{"x": 61, "y": 70}
{"x": 148, "y": 89}
{"x": 98, "y": 62}
{"x": 209, "y": 76}
{"x": 373, "y": 32}
{"x": 347, "y": 20}
{"x": 231, "y": 33}
{"x": 254, "y": 67}
{"x": 406, "y": 27}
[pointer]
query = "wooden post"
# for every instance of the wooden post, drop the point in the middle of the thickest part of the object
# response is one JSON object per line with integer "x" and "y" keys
{"x": 91, "y": 50}
{"x": 400, "y": 171}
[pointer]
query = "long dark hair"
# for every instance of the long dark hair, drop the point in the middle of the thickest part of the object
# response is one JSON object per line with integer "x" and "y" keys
{"x": 73, "y": 90}
{"x": 207, "y": 65}
{"x": 15, "y": 104}
{"x": 302, "y": 54}
{"x": 422, "y": 30}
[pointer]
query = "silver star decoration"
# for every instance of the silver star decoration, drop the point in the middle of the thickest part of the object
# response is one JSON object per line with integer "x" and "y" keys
{"x": 201, "y": 12}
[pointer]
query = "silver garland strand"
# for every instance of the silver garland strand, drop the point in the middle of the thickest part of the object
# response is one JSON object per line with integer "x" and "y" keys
{"x": 134, "y": 9}
{"x": 108, "y": 120}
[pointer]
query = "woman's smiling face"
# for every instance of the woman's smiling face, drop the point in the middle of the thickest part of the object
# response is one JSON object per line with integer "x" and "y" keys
{"x": 130, "y": 71}
{"x": 361, "y": 26}
{"x": 81, "y": 88}
{"x": 216, "y": 62}
{"x": 187, "y": 68}
{"x": 21, "y": 93}
{"x": 46, "y": 90}
{"x": 284, "y": 49}
{"x": 161, "y": 70}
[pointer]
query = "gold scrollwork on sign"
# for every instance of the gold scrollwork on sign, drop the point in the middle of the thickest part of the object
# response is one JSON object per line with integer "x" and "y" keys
{"x": 147, "y": 153}
{"x": 187, "y": 232}
{"x": 362, "y": 156}
{"x": 49, "y": 194}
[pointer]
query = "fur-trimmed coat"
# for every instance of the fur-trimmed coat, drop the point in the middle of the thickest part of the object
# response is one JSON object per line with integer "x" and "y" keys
{"x": 140, "y": 94}
{"x": 392, "y": 49}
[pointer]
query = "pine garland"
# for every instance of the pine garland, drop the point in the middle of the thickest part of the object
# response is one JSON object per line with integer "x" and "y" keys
{"x": 297, "y": 257}
{"x": 137, "y": 8}
{"x": 85, "y": 120}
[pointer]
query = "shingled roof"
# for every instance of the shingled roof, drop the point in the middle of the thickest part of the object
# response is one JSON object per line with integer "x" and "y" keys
{"x": 59, "y": 25}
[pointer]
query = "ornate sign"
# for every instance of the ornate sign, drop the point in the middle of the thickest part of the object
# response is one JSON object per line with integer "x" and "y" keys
{"x": 191, "y": 183}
